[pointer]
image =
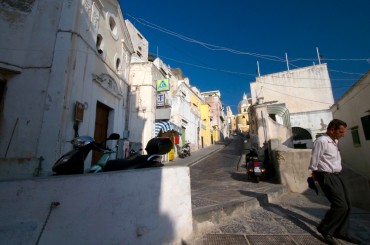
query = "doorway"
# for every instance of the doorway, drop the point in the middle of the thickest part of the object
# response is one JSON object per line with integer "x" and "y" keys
{"x": 101, "y": 127}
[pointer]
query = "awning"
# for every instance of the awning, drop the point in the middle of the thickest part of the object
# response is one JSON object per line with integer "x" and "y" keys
{"x": 281, "y": 110}
{"x": 166, "y": 126}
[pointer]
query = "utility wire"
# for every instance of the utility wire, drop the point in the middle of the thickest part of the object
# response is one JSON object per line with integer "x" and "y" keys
{"x": 221, "y": 48}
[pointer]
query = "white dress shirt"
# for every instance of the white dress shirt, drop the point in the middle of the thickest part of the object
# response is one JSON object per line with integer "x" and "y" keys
{"x": 325, "y": 155}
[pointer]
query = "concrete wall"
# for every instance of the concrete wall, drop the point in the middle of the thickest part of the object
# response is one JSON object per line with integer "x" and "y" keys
{"x": 292, "y": 171}
{"x": 148, "y": 206}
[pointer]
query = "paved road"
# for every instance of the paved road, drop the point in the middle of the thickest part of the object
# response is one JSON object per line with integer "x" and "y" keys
{"x": 229, "y": 209}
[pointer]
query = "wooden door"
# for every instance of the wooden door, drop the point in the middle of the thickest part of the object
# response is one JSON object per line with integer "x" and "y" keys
{"x": 101, "y": 127}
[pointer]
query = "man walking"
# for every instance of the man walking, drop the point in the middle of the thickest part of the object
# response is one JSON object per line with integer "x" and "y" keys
{"x": 326, "y": 167}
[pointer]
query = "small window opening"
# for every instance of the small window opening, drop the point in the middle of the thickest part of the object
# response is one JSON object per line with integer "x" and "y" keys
{"x": 355, "y": 136}
{"x": 99, "y": 44}
{"x": 118, "y": 64}
{"x": 112, "y": 25}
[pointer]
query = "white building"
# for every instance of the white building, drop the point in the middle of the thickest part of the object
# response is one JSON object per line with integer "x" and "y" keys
{"x": 307, "y": 95}
{"x": 185, "y": 114}
{"x": 354, "y": 108}
{"x": 142, "y": 95}
{"x": 64, "y": 70}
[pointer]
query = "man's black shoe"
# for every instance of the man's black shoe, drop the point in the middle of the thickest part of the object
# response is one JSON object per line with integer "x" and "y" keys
{"x": 328, "y": 238}
{"x": 348, "y": 239}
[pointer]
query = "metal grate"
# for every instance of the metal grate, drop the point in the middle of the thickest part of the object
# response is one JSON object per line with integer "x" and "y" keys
{"x": 308, "y": 240}
{"x": 224, "y": 239}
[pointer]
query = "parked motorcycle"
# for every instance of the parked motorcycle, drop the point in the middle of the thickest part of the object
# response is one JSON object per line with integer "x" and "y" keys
{"x": 73, "y": 161}
{"x": 183, "y": 151}
{"x": 255, "y": 167}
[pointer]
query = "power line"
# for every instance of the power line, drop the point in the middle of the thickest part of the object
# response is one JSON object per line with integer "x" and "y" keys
{"x": 221, "y": 48}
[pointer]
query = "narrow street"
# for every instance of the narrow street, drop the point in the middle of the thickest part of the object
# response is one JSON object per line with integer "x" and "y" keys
{"x": 240, "y": 211}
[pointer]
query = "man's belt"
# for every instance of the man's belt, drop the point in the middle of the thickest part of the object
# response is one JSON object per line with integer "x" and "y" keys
{"x": 327, "y": 173}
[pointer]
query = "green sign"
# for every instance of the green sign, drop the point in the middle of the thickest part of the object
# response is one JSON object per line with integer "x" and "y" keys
{"x": 163, "y": 85}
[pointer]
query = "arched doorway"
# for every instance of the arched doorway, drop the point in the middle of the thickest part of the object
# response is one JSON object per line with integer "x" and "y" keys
{"x": 302, "y": 138}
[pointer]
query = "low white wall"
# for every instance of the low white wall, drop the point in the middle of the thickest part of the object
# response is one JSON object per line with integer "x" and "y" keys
{"x": 147, "y": 206}
{"x": 292, "y": 171}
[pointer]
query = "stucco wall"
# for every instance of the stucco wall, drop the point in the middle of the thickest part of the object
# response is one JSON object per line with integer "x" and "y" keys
{"x": 303, "y": 89}
{"x": 316, "y": 121}
{"x": 353, "y": 105}
{"x": 148, "y": 206}
{"x": 292, "y": 171}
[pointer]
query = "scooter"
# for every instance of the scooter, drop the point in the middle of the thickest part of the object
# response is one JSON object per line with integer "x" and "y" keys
{"x": 255, "y": 167}
{"x": 183, "y": 151}
{"x": 73, "y": 161}
{"x": 186, "y": 149}
{"x": 155, "y": 148}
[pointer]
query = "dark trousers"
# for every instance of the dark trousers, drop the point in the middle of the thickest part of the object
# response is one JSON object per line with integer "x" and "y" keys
{"x": 336, "y": 220}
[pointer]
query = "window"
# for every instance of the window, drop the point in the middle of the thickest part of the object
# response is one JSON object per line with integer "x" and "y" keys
{"x": 99, "y": 44}
{"x": 118, "y": 64}
{"x": 366, "y": 126}
{"x": 112, "y": 24}
{"x": 355, "y": 136}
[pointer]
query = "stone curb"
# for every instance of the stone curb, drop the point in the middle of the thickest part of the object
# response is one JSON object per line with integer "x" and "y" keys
{"x": 204, "y": 218}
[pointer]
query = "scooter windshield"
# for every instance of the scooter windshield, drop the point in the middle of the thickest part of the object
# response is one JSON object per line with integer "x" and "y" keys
{"x": 81, "y": 141}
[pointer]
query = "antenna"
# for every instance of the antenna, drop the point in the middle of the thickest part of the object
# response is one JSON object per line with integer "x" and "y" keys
{"x": 287, "y": 62}
{"x": 318, "y": 54}
{"x": 258, "y": 69}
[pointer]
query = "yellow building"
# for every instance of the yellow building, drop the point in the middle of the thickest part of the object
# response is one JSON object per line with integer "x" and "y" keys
{"x": 242, "y": 117}
{"x": 205, "y": 126}
{"x": 198, "y": 105}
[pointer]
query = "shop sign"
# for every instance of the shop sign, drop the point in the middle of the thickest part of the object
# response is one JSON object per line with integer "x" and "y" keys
{"x": 160, "y": 99}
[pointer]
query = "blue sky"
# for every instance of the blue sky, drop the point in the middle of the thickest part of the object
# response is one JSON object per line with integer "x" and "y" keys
{"x": 217, "y": 44}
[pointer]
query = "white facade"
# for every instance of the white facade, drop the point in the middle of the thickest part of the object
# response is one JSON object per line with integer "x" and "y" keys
{"x": 139, "y": 43}
{"x": 142, "y": 95}
{"x": 184, "y": 115}
{"x": 142, "y": 101}
{"x": 303, "y": 89}
{"x": 315, "y": 122}
{"x": 54, "y": 54}
{"x": 354, "y": 108}
{"x": 306, "y": 93}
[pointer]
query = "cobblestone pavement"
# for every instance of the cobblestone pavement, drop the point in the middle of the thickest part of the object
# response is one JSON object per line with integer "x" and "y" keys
{"x": 229, "y": 209}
